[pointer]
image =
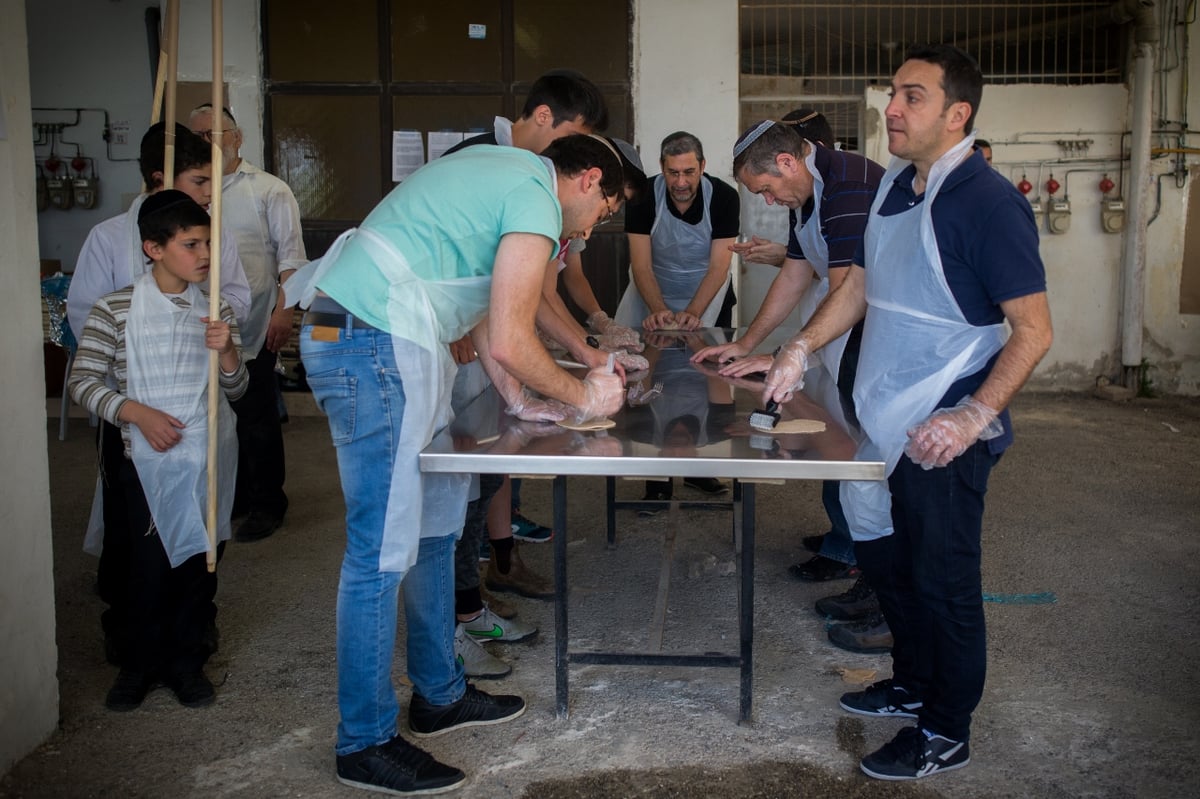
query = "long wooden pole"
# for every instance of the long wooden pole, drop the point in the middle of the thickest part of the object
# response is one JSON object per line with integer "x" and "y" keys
{"x": 169, "y": 111}
{"x": 214, "y": 268}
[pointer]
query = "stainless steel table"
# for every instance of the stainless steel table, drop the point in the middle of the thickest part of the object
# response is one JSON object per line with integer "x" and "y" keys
{"x": 696, "y": 427}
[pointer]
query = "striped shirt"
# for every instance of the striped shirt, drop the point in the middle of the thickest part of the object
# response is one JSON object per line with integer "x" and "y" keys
{"x": 100, "y": 360}
{"x": 850, "y": 181}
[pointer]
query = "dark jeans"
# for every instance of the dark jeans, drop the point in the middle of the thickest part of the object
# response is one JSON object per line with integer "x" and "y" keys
{"x": 260, "y": 473}
{"x": 927, "y": 577}
{"x": 111, "y": 573}
{"x": 466, "y": 551}
{"x": 169, "y": 610}
{"x": 838, "y": 545}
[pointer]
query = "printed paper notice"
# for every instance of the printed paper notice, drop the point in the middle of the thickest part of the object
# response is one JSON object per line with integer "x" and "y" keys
{"x": 408, "y": 153}
{"x": 442, "y": 140}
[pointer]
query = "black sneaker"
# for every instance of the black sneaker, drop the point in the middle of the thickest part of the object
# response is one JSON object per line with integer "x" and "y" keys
{"x": 397, "y": 767}
{"x": 192, "y": 689}
{"x": 883, "y": 698}
{"x": 857, "y": 603}
{"x": 129, "y": 691}
{"x": 913, "y": 754}
{"x": 475, "y": 709}
{"x": 819, "y": 569}
{"x": 256, "y": 527}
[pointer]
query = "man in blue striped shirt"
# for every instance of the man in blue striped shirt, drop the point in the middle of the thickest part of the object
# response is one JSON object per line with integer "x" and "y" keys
{"x": 829, "y": 193}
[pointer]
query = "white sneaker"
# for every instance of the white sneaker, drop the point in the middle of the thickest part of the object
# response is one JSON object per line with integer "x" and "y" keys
{"x": 487, "y": 626}
{"x": 477, "y": 662}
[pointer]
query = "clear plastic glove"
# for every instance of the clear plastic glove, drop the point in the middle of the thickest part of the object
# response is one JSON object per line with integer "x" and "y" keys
{"x": 631, "y": 361}
{"x": 948, "y": 432}
{"x": 529, "y": 409}
{"x": 620, "y": 338}
{"x": 603, "y": 395}
{"x": 786, "y": 375}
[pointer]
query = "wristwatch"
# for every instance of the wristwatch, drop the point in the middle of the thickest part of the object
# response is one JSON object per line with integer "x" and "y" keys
{"x": 593, "y": 342}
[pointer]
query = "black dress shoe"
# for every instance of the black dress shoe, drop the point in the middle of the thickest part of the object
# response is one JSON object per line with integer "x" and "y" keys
{"x": 819, "y": 569}
{"x": 258, "y": 525}
{"x": 128, "y": 692}
{"x": 193, "y": 689}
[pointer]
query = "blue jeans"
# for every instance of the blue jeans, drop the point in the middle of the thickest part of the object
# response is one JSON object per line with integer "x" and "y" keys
{"x": 837, "y": 545}
{"x": 356, "y": 384}
{"x": 927, "y": 578}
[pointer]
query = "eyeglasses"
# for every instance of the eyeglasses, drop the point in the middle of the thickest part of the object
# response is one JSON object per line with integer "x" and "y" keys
{"x": 207, "y": 134}
{"x": 610, "y": 213}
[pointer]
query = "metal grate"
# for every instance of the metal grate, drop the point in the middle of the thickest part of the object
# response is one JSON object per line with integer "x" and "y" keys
{"x": 823, "y": 53}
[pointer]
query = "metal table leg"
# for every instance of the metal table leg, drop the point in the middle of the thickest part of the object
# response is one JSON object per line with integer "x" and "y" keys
{"x": 746, "y": 601}
{"x": 561, "y": 659}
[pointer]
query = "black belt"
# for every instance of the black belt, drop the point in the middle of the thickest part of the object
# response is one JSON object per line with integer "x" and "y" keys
{"x": 340, "y": 320}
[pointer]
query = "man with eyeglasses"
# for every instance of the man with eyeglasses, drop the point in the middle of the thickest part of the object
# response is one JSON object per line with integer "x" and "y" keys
{"x": 261, "y": 212}
{"x": 679, "y": 244}
{"x": 679, "y": 239}
{"x": 461, "y": 246}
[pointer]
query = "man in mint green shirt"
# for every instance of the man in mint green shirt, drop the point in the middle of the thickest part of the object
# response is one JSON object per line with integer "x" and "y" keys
{"x": 461, "y": 246}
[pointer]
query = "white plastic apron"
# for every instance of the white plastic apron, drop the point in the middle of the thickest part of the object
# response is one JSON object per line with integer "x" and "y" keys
{"x": 168, "y": 371}
{"x": 916, "y": 342}
{"x": 258, "y": 259}
{"x": 680, "y": 254}
{"x": 424, "y": 316}
{"x": 816, "y": 252}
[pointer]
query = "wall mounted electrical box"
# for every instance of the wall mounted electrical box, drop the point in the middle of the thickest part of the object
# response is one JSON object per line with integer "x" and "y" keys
{"x": 1112, "y": 214}
{"x": 1058, "y": 217}
{"x": 1039, "y": 212}
{"x": 85, "y": 191}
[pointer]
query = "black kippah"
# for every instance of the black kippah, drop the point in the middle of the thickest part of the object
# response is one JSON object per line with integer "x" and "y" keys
{"x": 162, "y": 200}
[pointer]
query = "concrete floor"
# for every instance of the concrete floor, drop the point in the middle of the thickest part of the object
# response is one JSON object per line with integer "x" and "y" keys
{"x": 1093, "y": 695}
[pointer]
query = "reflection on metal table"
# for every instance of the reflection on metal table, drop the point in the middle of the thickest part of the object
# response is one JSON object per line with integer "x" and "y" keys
{"x": 697, "y": 426}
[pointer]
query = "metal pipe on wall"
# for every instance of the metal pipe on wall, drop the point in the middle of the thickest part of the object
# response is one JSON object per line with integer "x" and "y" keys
{"x": 1133, "y": 257}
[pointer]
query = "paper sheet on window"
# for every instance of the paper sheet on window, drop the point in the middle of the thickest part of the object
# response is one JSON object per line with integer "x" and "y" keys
{"x": 442, "y": 140}
{"x": 408, "y": 153}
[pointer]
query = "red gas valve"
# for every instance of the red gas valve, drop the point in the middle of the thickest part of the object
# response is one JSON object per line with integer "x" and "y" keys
{"x": 1106, "y": 185}
{"x": 1052, "y": 185}
{"x": 1024, "y": 186}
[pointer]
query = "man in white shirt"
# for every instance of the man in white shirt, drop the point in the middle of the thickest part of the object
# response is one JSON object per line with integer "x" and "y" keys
{"x": 261, "y": 213}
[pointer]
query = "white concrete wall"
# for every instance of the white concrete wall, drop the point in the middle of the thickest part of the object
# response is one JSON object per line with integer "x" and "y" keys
{"x": 28, "y": 654}
{"x": 685, "y": 77}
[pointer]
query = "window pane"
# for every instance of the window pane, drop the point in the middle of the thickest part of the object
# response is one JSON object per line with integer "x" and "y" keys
{"x": 327, "y": 149}
{"x": 590, "y": 37}
{"x": 430, "y": 42}
{"x": 472, "y": 114}
{"x": 316, "y": 40}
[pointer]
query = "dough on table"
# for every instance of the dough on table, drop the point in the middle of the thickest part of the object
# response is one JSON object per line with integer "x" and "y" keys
{"x": 590, "y": 424}
{"x": 793, "y": 426}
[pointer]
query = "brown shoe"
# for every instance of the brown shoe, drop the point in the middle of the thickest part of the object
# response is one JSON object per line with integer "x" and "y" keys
{"x": 519, "y": 580}
{"x": 870, "y": 636}
{"x": 497, "y": 605}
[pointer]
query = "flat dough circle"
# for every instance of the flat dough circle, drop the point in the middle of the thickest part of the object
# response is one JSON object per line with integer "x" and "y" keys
{"x": 793, "y": 426}
{"x": 590, "y": 424}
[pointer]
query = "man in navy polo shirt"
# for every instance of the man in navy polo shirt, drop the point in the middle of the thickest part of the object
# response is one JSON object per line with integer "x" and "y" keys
{"x": 949, "y": 255}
